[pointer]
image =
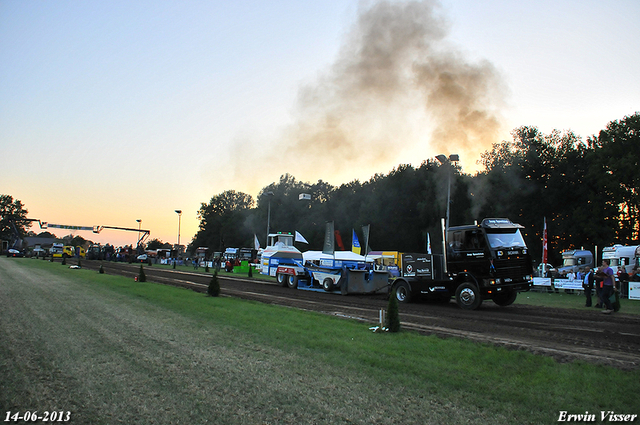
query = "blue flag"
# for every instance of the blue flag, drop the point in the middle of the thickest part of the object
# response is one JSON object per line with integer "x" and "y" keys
{"x": 355, "y": 243}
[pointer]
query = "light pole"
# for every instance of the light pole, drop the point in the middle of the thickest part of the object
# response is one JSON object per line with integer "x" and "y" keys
{"x": 443, "y": 159}
{"x": 179, "y": 212}
{"x": 139, "y": 224}
{"x": 269, "y": 195}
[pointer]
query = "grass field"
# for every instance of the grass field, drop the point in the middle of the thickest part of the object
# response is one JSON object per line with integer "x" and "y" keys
{"x": 112, "y": 350}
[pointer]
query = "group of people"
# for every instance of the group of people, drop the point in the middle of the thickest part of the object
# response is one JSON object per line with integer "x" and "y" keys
{"x": 603, "y": 280}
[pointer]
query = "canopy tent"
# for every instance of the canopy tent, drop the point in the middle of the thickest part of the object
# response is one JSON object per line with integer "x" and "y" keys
{"x": 337, "y": 255}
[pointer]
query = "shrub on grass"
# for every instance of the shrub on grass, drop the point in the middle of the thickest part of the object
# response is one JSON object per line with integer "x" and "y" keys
{"x": 141, "y": 276}
{"x": 250, "y": 271}
{"x": 206, "y": 267}
{"x": 79, "y": 262}
{"x": 101, "y": 269}
{"x": 214, "y": 285}
{"x": 64, "y": 261}
{"x": 393, "y": 316}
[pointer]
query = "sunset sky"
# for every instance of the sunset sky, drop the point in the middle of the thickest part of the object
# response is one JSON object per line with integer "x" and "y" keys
{"x": 116, "y": 111}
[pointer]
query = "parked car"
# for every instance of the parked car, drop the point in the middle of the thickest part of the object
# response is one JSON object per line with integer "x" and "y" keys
{"x": 14, "y": 253}
{"x": 551, "y": 271}
{"x": 143, "y": 258}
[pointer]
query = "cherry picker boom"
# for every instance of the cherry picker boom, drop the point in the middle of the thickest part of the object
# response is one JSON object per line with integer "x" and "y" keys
{"x": 142, "y": 233}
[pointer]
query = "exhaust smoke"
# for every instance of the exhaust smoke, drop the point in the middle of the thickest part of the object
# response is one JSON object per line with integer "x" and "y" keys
{"x": 398, "y": 92}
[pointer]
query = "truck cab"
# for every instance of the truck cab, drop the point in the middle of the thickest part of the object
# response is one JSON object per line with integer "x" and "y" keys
{"x": 280, "y": 252}
{"x": 621, "y": 256}
{"x": 492, "y": 256}
{"x": 484, "y": 261}
{"x": 575, "y": 259}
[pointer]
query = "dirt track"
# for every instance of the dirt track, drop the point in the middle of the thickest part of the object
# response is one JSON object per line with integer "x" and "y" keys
{"x": 564, "y": 334}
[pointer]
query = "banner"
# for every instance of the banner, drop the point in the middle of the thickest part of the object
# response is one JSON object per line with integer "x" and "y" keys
{"x": 428, "y": 243}
{"x": 634, "y": 290}
{"x": 329, "y": 243}
{"x": 567, "y": 283}
{"x": 256, "y": 242}
{"x": 365, "y": 232}
{"x": 541, "y": 281}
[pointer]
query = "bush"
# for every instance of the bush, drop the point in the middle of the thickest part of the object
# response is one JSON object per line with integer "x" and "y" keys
{"x": 393, "y": 316}
{"x": 250, "y": 270}
{"x": 79, "y": 262}
{"x": 101, "y": 269}
{"x": 64, "y": 261}
{"x": 141, "y": 275}
{"x": 214, "y": 285}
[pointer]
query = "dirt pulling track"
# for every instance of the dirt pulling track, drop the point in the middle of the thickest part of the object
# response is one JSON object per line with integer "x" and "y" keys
{"x": 563, "y": 334}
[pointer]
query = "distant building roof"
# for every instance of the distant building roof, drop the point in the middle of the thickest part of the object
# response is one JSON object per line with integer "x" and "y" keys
{"x": 42, "y": 241}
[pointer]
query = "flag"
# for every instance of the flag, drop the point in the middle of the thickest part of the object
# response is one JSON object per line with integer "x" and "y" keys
{"x": 300, "y": 238}
{"x": 339, "y": 240}
{"x": 256, "y": 242}
{"x": 329, "y": 242}
{"x": 544, "y": 245}
{"x": 355, "y": 243}
{"x": 428, "y": 243}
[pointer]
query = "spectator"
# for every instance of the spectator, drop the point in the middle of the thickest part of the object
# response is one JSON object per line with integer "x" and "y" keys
{"x": 623, "y": 278}
{"x": 587, "y": 284}
{"x": 633, "y": 277}
{"x": 608, "y": 286}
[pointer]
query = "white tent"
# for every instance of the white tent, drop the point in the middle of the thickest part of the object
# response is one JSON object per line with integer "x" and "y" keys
{"x": 337, "y": 255}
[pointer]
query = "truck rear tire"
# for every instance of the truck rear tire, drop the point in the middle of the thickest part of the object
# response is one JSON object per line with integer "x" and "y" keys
{"x": 327, "y": 284}
{"x": 292, "y": 281}
{"x": 468, "y": 296}
{"x": 505, "y": 298}
{"x": 281, "y": 279}
{"x": 403, "y": 292}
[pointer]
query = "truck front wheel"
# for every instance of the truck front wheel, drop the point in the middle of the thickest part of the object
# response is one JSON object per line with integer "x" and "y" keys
{"x": 468, "y": 296}
{"x": 505, "y": 298}
{"x": 403, "y": 292}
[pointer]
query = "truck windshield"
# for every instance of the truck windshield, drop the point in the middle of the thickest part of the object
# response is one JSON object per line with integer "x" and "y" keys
{"x": 510, "y": 238}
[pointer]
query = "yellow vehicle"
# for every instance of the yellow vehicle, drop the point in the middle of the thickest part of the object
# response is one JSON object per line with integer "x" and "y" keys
{"x": 81, "y": 252}
{"x": 62, "y": 251}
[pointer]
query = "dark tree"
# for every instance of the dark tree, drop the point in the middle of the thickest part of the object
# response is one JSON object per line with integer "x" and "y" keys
{"x": 617, "y": 172}
{"x": 214, "y": 285}
{"x": 12, "y": 212}
{"x": 223, "y": 221}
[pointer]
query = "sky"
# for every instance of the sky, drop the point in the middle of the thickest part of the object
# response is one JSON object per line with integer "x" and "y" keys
{"x": 112, "y": 112}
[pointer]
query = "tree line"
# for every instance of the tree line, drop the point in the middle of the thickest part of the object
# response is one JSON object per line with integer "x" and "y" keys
{"x": 586, "y": 190}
